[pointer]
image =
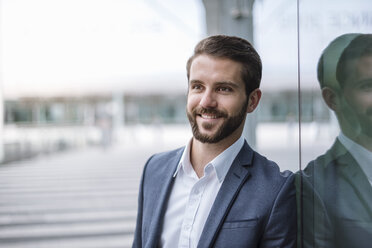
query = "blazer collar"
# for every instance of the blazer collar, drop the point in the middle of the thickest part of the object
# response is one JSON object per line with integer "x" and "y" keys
{"x": 342, "y": 158}
{"x": 336, "y": 152}
{"x": 350, "y": 171}
{"x": 234, "y": 180}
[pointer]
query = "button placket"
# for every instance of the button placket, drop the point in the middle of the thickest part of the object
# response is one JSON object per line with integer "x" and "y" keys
{"x": 191, "y": 211}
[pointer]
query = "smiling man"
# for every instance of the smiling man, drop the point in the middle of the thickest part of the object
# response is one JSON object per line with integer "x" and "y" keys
{"x": 216, "y": 191}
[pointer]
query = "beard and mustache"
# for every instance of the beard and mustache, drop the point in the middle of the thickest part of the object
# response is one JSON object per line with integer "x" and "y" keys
{"x": 229, "y": 125}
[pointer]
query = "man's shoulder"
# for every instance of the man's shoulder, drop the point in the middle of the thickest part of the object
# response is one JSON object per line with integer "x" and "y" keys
{"x": 268, "y": 170}
{"x": 271, "y": 166}
{"x": 161, "y": 166}
{"x": 164, "y": 160}
{"x": 333, "y": 159}
{"x": 166, "y": 155}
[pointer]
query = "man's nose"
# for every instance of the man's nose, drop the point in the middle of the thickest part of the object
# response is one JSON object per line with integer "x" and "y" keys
{"x": 208, "y": 100}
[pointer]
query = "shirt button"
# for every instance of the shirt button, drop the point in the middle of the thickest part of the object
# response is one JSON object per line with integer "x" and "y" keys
{"x": 187, "y": 227}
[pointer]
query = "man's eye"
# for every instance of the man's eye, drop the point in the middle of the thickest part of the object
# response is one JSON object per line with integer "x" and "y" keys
{"x": 196, "y": 87}
{"x": 224, "y": 89}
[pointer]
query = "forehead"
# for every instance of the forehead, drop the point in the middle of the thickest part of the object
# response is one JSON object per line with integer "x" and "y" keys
{"x": 364, "y": 66}
{"x": 206, "y": 67}
{"x": 359, "y": 69}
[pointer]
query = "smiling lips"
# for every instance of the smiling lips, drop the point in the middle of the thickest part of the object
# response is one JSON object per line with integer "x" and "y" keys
{"x": 209, "y": 114}
{"x": 206, "y": 116}
{"x": 209, "y": 117}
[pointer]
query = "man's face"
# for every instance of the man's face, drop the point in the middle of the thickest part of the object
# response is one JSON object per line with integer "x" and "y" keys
{"x": 216, "y": 101}
{"x": 357, "y": 93}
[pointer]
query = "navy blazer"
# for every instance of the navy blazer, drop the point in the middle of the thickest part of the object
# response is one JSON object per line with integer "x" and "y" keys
{"x": 255, "y": 206}
{"x": 336, "y": 201}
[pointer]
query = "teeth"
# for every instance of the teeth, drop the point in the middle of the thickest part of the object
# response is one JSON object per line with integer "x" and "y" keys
{"x": 209, "y": 116}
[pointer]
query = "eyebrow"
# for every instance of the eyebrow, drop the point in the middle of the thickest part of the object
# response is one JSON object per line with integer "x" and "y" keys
{"x": 228, "y": 83}
{"x": 221, "y": 83}
{"x": 195, "y": 81}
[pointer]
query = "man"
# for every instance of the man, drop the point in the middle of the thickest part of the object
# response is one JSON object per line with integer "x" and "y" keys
{"x": 216, "y": 191}
{"x": 336, "y": 188}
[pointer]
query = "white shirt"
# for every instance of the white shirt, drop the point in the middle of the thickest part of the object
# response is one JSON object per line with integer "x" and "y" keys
{"x": 192, "y": 198}
{"x": 360, "y": 154}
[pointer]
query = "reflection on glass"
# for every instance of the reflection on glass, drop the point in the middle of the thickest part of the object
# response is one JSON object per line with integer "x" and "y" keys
{"x": 336, "y": 192}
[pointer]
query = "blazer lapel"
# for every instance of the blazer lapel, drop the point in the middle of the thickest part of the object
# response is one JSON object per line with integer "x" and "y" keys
{"x": 234, "y": 180}
{"x": 354, "y": 175}
{"x": 160, "y": 200}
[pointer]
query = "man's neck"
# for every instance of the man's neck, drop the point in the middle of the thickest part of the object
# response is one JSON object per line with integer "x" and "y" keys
{"x": 202, "y": 153}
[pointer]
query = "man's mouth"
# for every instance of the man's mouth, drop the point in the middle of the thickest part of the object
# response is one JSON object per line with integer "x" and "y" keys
{"x": 206, "y": 116}
{"x": 209, "y": 114}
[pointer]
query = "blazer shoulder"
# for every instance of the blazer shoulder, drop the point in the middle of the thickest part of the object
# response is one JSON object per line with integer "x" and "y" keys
{"x": 270, "y": 169}
{"x": 164, "y": 160}
{"x": 165, "y": 156}
{"x": 260, "y": 166}
{"x": 331, "y": 160}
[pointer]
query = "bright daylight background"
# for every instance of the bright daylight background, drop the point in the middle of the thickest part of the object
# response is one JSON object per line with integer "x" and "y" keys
{"x": 91, "y": 88}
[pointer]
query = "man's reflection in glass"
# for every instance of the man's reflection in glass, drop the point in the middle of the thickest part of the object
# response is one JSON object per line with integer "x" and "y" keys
{"x": 335, "y": 193}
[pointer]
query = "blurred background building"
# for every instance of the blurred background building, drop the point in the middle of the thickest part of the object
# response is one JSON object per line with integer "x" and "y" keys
{"x": 78, "y": 73}
{"x": 73, "y": 73}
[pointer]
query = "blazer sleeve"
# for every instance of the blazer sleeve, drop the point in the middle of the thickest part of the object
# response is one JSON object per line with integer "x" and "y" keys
{"x": 137, "y": 242}
{"x": 281, "y": 227}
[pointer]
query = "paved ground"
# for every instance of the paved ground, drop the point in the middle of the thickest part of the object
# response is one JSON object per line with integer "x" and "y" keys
{"x": 76, "y": 199}
{"x": 88, "y": 198}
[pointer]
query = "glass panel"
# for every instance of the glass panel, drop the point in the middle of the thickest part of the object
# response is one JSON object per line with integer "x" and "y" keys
{"x": 334, "y": 189}
{"x": 276, "y": 41}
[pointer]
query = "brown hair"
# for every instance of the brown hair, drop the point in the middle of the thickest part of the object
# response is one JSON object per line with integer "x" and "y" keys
{"x": 236, "y": 49}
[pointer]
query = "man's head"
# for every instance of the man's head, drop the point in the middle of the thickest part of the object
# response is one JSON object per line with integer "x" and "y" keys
{"x": 235, "y": 49}
{"x": 224, "y": 75}
{"x": 350, "y": 94}
{"x": 327, "y": 64}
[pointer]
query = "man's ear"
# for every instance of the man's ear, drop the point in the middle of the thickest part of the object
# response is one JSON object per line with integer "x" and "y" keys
{"x": 253, "y": 100}
{"x": 330, "y": 97}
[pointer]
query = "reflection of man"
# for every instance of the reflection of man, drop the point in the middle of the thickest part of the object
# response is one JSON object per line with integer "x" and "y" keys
{"x": 216, "y": 191}
{"x": 337, "y": 192}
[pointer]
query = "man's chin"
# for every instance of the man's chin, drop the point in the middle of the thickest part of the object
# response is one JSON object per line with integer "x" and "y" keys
{"x": 209, "y": 126}
{"x": 207, "y": 137}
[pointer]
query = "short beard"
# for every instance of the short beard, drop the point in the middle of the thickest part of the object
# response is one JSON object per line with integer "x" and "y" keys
{"x": 229, "y": 125}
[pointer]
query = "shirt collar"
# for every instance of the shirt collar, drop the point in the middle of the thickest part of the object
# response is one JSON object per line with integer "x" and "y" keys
{"x": 185, "y": 158}
{"x": 224, "y": 160}
{"x": 360, "y": 154}
{"x": 221, "y": 163}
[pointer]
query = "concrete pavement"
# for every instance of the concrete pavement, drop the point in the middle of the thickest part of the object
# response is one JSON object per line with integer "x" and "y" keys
{"x": 85, "y": 198}
{"x": 88, "y": 198}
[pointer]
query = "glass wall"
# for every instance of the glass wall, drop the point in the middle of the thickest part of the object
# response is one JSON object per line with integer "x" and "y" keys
{"x": 315, "y": 113}
{"x": 275, "y": 37}
{"x": 334, "y": 187}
